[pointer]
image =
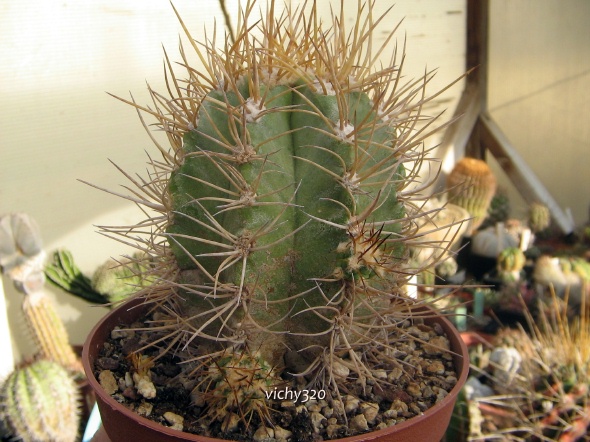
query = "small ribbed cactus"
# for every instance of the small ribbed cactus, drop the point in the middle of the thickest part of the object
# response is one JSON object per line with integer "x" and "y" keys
{"x": 39, "y": 403}
{"x": 63, "y": 272}
{"x": 510, "y": 263}
{"x": 22, "y": 259}
{"x": 117, "y": 280}
{"x": 539, "y": 217}
{"x": 283, "y": 213}
{"x": 49, "y": 332}
{"x": 472, "y": 185}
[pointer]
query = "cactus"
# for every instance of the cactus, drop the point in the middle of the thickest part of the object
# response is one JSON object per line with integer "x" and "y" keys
{"x": 283, "y": 214}
{"x": 472, "y": 185}
{"x": 49, "y": 332}
{"x": 499, "y": 210}
{"x": 112, "y": 282}
{"x": 540, "y": 386}
{"x": 238, "y": 385}
{"x": 65, "y": 274}
{"x": 539, "y": 217}
{"x": 39, "y": 403}
{"x": 117, "y": 280}
{"x": 510, "y": 263}
{"x": 22, "y": 259}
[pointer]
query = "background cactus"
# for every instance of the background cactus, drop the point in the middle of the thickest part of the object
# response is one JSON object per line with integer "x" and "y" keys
{"x": 539, "y": 217}
{"x": 472, "y": 185}
{"x": 49, "y": 332}
{"x": 63, "y": 272}
{"x": 510, "y": 263}
{"x": 111, "y": 282}
{"x": 22, "y": 259}
{"x": 39, "y": 403}
{"x": 537, "y": 383}
{"x": 282, "y": 211}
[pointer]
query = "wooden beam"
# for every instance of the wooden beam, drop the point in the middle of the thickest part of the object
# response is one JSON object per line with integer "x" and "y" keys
{"x": 519, "y": 172}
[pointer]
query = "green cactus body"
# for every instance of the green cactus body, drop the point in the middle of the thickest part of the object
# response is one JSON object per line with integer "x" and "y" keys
{"x": 539, "y": 217}
{"x": 269, "y": 204}
{"x": 40, "y": 403}
{"x": 115, "y": 281}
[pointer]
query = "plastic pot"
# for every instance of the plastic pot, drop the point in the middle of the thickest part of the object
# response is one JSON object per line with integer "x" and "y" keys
{"x": 123, "y": 425}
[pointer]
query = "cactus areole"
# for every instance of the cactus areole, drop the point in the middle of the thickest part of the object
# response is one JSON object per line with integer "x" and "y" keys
{"x": 281, "y": 210}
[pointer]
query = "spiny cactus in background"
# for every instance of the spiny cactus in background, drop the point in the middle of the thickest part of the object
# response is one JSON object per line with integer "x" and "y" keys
{"x": 539, "y": 217}
{"x": 23, "y": 260}
{"x": 282, "y": 213}
{"x": 117, "y": 280}
{"x": 510, "y": 263}
{"x": 566, "y": 276}
{"x": 499, "y": 210}
{"x": 543, "y": 388}
{"x": 39, "y": 403}
{"x": 472, "y": 185}
{"x": 49, "y": 332}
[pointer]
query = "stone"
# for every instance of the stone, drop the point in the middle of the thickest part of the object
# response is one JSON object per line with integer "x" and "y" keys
{"x": 176, "y": 422}
{"x": 359, "y": 423}
{"x": 108, "y": 382}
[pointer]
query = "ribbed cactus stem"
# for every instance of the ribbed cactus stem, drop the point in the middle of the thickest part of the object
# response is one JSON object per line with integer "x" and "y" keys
{"x": 49, "y": 332}
{"x": 39, "y": 403}
{"x": 472, "y": 185}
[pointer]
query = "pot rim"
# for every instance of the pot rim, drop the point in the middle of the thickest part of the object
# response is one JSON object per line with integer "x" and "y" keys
{"x": 458, "y": 349}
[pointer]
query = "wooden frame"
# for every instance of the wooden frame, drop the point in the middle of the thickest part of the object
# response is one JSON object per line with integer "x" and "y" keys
{"x": 475, "y": 133}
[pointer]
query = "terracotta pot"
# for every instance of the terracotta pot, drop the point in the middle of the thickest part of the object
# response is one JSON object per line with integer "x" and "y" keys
{"x": 122, "y": 425}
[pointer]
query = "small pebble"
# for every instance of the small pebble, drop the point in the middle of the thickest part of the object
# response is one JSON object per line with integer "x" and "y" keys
{"x": 231, "y": 422}
{"x": 118, "y": 333}
{"x": 264, "y": 434}
{"x": 316, "y": 420}
{"x": 144, "y": 409}
{"x": 359, "y": 423}
{"x": 370, "y": 410}
{"x": 340, "y": 370}
{"x": 282, "y": 435}
{"x": 108, "y": 382}
{"x": 176, "y": 422}
{"x": 333, "y": 430}
{"x": 351, "y": 403}
{"x": 144, "y": 385}
{"x": 435, "y": 367}
{"x": 414, "y": 390}
{"x": 437, "y": 346}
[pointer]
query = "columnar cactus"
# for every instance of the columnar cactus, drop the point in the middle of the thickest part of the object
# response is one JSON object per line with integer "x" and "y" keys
{"x": 22, "y": 259}
{"x": 49, "y": 332}
{"x": 282, "y": 208}
{"x": 472, "y": 185}
{"x": 39, "y": 403}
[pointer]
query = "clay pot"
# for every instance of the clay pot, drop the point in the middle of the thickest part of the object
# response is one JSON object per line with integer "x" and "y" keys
{"x": 122, "y": 425}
